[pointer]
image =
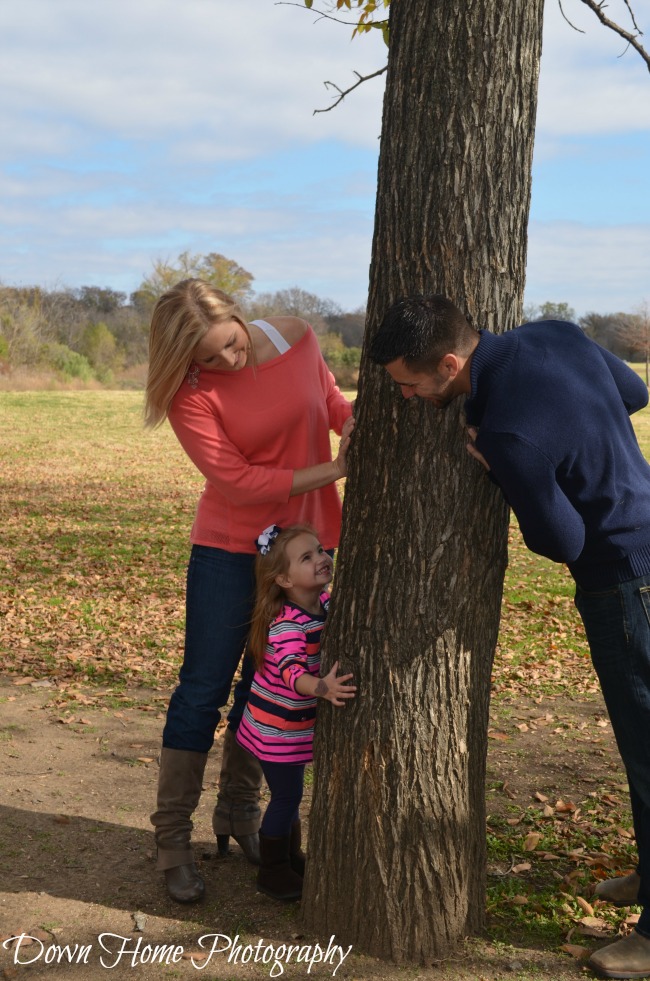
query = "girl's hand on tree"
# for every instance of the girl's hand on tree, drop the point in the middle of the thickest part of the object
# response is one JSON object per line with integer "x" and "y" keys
{"x": 333, "y": 688}
{"x": 471, "y": 448}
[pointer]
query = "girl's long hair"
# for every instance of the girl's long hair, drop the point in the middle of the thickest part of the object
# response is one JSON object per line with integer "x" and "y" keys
{"x": 181, "y": 318}
{"x": 269, "y": 597}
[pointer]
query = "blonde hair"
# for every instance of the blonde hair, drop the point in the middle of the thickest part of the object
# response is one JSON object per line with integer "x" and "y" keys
{"x": 181, "y": 318}
{"x": 269, "y": 597}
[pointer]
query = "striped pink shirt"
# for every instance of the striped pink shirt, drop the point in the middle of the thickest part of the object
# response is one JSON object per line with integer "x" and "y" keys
{"x": 278, "y": 722}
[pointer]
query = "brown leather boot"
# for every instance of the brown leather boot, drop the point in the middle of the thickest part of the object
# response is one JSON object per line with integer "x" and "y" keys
{"x": 275, "y": 877}
{"x": 180, "y": 783}
{"x": 627, "y": 958}
{"x": 237, "y": 811}
{"x": 621, "y": 891}
{"x": 296, "y": 855}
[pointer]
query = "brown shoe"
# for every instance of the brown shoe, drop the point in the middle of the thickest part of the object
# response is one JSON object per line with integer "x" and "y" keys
{"x": 627, "y": 958}
{"x": 622, "y": 891}
{"x": 179, "y": 788}
{"x": 275, "y": 877}
{"x": 184, "y": 884}
{"x": 237, "y": 812}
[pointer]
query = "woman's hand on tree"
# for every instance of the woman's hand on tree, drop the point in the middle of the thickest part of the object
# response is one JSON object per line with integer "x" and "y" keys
{"x": 341, "y": 460}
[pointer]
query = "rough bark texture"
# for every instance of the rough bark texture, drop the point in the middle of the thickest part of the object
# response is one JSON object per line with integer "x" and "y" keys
{"x": 397, "y": 831}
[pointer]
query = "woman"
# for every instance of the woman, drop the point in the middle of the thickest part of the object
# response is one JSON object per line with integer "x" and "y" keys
{"x": 252, "y": 405}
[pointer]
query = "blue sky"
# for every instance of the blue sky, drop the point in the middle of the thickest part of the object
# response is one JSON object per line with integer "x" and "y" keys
{"x": 131, "y": 132}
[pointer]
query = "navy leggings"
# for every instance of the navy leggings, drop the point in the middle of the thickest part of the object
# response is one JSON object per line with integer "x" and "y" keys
{"x": 285, "y": 782}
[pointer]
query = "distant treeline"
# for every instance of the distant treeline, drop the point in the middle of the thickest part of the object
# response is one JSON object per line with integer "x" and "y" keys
{"x": 96, "y": 334}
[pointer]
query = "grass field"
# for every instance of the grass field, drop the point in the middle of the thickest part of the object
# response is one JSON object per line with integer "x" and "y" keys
{"x": 96, "y": 515}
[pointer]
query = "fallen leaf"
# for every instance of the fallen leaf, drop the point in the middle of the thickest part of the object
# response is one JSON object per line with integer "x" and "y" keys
{"x": 580, "y": 953}
{"x": 593, "y": 926}
{"x": 533, "y": 839}
{"x": 565, "y": 807}
{"x": 585, "y": 906}
{"x": 522, "y": 867}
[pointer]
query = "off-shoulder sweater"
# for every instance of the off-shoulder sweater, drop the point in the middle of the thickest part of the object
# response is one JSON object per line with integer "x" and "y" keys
{"x": 247, "y": 431}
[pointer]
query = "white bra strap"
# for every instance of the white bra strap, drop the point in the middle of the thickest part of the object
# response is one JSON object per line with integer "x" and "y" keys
{"x": 273, "y": 335}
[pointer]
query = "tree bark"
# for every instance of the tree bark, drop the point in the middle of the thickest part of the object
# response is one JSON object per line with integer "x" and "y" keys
{"x": 397, "y": 832}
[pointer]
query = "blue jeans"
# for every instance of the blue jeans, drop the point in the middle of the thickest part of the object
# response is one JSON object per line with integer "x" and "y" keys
{"x": 617, "y": 623}
{"x": 286, "y": 782}
{"x": 219, "y": 604}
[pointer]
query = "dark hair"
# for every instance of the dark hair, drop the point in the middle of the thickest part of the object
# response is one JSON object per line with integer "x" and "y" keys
{"x": 421, "y": 330}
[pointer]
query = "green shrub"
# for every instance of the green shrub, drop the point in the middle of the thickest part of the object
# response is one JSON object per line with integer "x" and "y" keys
{"x": 67, "y": 362}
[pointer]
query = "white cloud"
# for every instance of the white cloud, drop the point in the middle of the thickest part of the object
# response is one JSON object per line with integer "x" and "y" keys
{"x": 592, "y": 268}
{"x": 227, "y": 78}
{"x": 586, "y": 87}
{"x": 131, "y": 131}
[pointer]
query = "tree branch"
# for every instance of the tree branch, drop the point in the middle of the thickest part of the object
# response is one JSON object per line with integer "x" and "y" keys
{"x": 598, "y": 7}
{"x": 322, "y": 15}
{"x": 344, "y": 92}
{"x": 559, "y": 2}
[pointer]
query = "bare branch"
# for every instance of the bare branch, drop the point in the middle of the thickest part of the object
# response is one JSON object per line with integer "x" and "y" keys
{"x": 632, "y": 18}
{"x": 567, "y": 19}
{"x": 344, "y": 92}
{"x": 322, "y": 15}
{"x": 598, "y": 7}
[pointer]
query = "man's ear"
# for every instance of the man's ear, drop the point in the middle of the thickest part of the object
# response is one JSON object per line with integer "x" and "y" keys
{"x": 449, "y": 365}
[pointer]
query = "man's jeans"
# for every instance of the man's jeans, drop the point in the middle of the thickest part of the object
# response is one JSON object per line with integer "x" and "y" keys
{"x": 617, "y": 623}
{"x": 219, "y": 604}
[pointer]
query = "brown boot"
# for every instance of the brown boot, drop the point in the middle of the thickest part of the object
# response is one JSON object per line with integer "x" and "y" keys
{"x": 275, "y": 877}
{"x": 622, "y": 891}
{"x": 180, "y": 783}
{"x": 627, "y": 958}
{"x": 237, "y": 811}
{"x": 296, "y": 855}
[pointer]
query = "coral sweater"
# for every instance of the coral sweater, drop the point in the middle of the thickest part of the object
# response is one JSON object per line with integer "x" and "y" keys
{"x": 247, "y": 431}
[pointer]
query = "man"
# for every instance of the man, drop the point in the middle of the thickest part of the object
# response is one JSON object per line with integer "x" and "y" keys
{"x": 548, "y": 415}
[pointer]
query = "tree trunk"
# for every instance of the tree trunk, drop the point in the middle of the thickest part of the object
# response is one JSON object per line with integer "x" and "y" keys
{"x": 397, "y": 833}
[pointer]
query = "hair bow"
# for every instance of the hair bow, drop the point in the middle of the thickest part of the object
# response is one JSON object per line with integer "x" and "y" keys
{"x": 266, "y": 539}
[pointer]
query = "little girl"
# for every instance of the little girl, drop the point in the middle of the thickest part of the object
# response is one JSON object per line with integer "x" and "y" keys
{"x": 291, "y": 570}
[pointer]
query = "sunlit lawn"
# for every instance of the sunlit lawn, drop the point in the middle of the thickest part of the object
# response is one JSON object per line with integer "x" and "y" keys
{"x": 96, "y": 514}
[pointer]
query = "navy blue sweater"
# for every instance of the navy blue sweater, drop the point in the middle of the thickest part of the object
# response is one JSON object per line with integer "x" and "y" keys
{"x": 552, "y": 409}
